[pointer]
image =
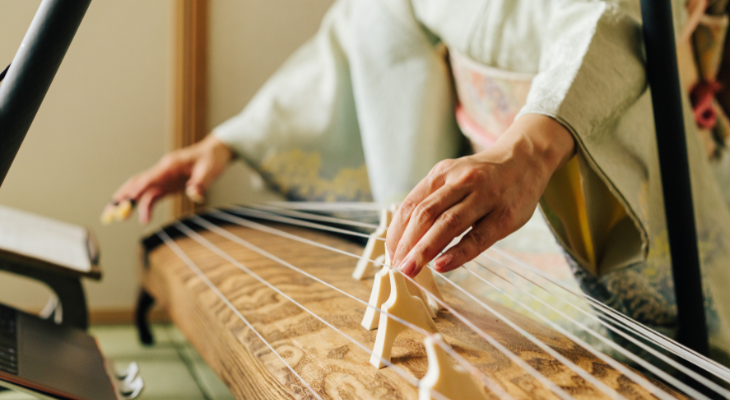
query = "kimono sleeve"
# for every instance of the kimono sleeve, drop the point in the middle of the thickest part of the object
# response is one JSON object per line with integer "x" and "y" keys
{"x": 591, "y": 74}
{"x": 300, "y": 131}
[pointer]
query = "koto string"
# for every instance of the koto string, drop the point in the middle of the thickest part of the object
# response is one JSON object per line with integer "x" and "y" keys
{"x": 315, "y": 217}
{"x": 615, "y": 317}
{"x": 292, "y": 221}
{"x": 529, "y": 369}
{"x": 660, "y": 356}
{"x": 217, "y": 250}
{"x": 659, "y": 338}
{"x": 611, "y": 315}
{"x": 643, "y": 383}
{"x": 718, "y": 389}
{"x": 695, "y": 375}
{"x": 222, "y": 232}
{"x": 184, "y": 257}
{"x": 264, "y": 215}
{"x": 327, "y": 206}
{"x": 601, "y": 308}
{"x": 273, "y": 216}
{"x": 615, "y": 364}
{"x": 582, "y": 373}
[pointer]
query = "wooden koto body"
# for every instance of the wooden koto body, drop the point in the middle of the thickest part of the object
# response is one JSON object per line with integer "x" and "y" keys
{"x": 330, "y": 363}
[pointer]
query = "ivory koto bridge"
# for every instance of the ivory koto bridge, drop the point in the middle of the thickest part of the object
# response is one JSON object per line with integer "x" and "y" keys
{"x": 330, "y": 363}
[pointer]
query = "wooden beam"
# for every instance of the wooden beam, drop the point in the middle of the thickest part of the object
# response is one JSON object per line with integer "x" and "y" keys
{"x": 191, "y": 83}
{"x": 124, "y": 316}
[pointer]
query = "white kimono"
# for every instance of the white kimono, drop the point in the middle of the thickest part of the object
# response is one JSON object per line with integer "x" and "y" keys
{"x": 365, "y": 109}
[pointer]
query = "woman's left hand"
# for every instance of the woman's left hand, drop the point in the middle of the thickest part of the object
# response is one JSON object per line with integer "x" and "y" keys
{"x": 494, "y": 192}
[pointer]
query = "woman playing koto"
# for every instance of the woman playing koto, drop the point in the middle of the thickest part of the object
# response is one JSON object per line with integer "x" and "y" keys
{"x": 367, "y": 110}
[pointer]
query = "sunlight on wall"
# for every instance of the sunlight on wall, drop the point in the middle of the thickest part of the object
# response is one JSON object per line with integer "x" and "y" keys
{"x": 105, "y": 117}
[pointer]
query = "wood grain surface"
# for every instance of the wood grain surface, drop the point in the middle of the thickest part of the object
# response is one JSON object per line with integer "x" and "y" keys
{"x": 326, "y": 360}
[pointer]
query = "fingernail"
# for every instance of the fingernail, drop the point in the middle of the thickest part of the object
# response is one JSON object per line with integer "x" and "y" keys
{"x": 394, "y": 261}
{"x": 443, "y": 262}
{"x": 408, "y": 265}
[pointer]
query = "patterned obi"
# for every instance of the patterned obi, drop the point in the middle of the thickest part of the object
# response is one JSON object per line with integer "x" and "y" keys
{"x": 489, "y": 99}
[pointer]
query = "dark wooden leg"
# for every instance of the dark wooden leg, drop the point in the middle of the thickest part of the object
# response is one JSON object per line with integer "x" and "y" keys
{"x": 68, "y": 288}
{"x": 71, "y": 295}
{"x": 145, "y": 301}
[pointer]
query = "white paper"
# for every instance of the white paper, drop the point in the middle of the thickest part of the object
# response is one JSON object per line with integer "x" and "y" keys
{"x": 44, "y": 239}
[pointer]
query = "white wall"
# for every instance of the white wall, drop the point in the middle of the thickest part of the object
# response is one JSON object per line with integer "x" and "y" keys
{"x": 249, "y": 40}
{"x": 106, "y": 117}
{"x": 108, "y": 114}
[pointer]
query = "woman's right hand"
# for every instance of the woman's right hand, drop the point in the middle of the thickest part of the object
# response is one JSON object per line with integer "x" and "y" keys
{"x": 192, "y": 169}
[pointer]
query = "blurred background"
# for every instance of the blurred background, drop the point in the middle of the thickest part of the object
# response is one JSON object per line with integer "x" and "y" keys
{"x": 111, "y": 112}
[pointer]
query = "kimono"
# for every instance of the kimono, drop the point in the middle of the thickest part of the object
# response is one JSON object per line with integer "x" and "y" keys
{"x": 364, "y": 110}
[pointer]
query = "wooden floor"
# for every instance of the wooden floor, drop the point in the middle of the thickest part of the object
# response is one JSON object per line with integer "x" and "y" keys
{"x": 328, "y": 361}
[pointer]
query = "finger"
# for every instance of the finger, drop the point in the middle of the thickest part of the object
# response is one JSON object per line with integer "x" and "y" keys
{"x": 146, "y": 201}
{"x": 428, "y": 212}
{"x": 484, "y": 234}
{"x": 425, "y": 187}
{"x": 200, "y": 179}
{"x": 449, "y": 225}
{"x": 136, "y": 185}
{"x": 164, "y": 174}
{"x": 124, "y": 191}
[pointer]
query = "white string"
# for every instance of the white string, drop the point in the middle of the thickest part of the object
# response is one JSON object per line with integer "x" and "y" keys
{"x": 713, "y": 386}
{"x": 236, "y": 239}
{"x": 315, "y": 217}
{"x": 578, "y": 370}
{"x": 616, "y": 317}
{"x": 613, "y": 363}
{"x": 184, "y": 257}
{"x": 217, "y": 250}
{"x": 327, "y": 206}
{"x": 664, "y": 358}
{"x": 277, "y": 218}
{"x": 613, "y": 314}
{"x": 611, "y": 343}
{"x": 548, "y": 383}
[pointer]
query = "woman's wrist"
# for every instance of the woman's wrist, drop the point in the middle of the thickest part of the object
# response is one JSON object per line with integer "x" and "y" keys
{"x": 538, "y": 140}
{"x": 217, "y": 148}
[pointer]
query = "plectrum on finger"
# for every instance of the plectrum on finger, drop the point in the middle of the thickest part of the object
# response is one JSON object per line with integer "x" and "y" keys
{"x": 123, "y": 210}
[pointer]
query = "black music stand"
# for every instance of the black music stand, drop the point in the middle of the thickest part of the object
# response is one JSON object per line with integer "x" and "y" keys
{"x": 24, "y": 86}
{"x": 666, "y": 96}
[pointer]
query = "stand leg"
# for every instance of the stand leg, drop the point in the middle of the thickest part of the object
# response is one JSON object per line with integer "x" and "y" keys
{"x": 145, "y": 301}
{"x": 68, "y": 289}
{"x": 71, "y": 296}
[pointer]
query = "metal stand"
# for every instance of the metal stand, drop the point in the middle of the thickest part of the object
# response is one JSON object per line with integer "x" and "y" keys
{"x": 32, "y": 71}
{"x": 663, "y": 75}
